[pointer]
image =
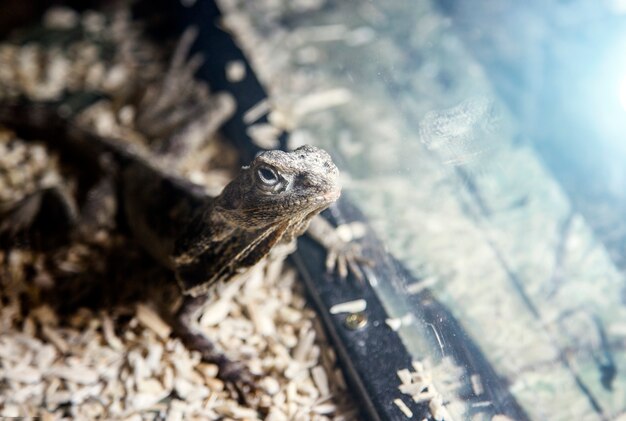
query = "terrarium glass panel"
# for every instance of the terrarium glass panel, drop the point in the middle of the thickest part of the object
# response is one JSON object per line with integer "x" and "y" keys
{"x": 485, "y": 143}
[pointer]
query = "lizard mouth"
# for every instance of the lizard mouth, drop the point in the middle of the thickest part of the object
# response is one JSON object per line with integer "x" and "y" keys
{"x": 330, "y": 197}
{"x": 333, "y": 195}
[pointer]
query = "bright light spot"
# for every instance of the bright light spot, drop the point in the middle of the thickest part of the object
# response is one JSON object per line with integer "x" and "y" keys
{"x": 618, "y": 6}
{"x": 622, "y": 92}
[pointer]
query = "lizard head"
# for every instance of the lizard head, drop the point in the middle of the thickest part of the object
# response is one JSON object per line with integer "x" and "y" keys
{"x": 279, "y": 187}
{"x": 269, "y": 202}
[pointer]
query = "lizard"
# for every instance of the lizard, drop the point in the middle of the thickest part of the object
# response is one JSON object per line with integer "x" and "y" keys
{"x": 206, "y": 241}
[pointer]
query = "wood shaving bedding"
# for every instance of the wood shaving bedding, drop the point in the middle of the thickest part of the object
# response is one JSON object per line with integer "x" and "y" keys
{"x": 84, "y": 330}
{"x": 120, "y": 361}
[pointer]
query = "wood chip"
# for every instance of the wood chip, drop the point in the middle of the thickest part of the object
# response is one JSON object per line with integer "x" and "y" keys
{"x": 264, "y": 135}
{"x": 438, "y": 410}
{"x": 354, "y": 306}
{"x": 109, "y": 333}
{"x": 55, "y": 338}
{"x": 321, "y": 101}
{"x": 256, "y": 112}
{"x": 235, "y": 71}
{"x": 237, "y": 412}
{"x": 305, "y": 343}
{"x": 216, "y": 312}
{"x": 262, "y": 318}
{"x": 402, "y": 406}
{"x": 394, "y": 323}
{"x": 321, "y": 380}
{"x": 150, "y": 319}
{"x": 405, "y": 376}
{"x": 421, "y": 285}
{"x": 477, "y": 385}
{"x": 22, "y": 375}
{"x": 45, "y": 356}
{"x": 325, "y": 408}
{"x": 270, "y": 385}
{"x": 76, "y": 374}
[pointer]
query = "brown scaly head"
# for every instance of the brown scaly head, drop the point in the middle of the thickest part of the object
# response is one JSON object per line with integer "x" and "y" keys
{"x": 271, "y": 201}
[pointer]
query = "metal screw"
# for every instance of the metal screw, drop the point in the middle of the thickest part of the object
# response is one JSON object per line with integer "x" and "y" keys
{"x": 356, "y": 321}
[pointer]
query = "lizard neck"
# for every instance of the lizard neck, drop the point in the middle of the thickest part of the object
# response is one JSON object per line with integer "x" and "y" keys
{"x": 211, "y": 249}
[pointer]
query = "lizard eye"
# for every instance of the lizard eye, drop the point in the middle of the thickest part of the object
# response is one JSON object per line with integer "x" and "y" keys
{"x": 267, "y": 176}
